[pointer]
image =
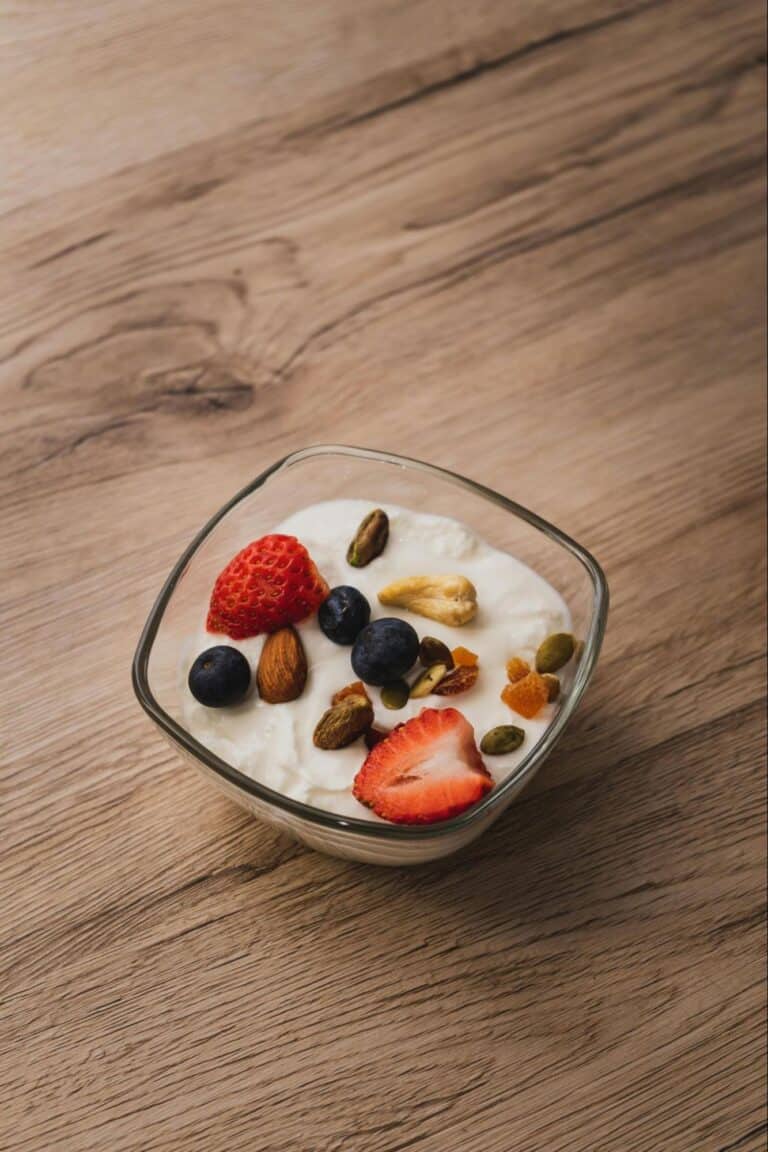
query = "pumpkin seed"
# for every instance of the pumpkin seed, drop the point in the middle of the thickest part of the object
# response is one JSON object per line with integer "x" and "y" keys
{"x": 499, "y": 741}
{"x": 554, "y": 652}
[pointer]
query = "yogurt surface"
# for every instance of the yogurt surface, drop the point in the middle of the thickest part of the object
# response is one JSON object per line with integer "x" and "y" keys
{"x": 272, "y": 743}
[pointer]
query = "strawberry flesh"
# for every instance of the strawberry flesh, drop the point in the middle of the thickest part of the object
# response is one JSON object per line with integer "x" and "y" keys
{"x": 426, "y": 770}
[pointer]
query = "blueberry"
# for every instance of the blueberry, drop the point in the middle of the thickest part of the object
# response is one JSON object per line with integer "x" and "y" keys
{"x": 385, "y": 650}
{"x": 219, "y": 677}
{"x": 344, "y": 614}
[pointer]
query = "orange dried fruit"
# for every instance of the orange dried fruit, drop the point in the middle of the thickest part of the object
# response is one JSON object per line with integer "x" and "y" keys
{"x": 463, "y": 658}
{"x": 527, "y": 696}
{"x": 517, "y": 668}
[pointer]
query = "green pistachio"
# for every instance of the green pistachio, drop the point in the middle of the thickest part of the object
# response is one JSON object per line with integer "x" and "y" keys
{"x": 343, "y": 723}
{"x": 370, "y": 539}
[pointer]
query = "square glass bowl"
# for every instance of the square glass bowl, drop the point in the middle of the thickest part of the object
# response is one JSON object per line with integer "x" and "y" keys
{"x": 324, "y": 473}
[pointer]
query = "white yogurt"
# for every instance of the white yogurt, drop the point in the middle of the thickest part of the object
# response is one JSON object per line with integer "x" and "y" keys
{"x": 272, "y": 743}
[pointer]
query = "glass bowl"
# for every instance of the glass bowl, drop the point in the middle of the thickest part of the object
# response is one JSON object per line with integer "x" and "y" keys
{"x": 323, "y": 473}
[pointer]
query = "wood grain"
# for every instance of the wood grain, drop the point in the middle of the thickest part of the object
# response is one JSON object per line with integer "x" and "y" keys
{"x": 524, "y": 241}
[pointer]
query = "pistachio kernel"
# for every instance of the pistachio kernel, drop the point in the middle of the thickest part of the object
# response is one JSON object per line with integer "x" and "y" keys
{"x": 370, "y": 540}
{"x": 343, "y": 723}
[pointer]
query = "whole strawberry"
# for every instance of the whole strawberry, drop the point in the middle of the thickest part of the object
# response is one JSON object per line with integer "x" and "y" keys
{"x": 272, "y": 582}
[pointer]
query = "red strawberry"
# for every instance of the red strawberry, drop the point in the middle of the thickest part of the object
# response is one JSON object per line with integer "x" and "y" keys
{"x": 271, "y": 583}
{"x": 428, "y": 769}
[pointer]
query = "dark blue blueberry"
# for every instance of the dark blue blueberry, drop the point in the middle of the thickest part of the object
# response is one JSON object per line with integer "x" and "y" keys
{"x": 220, "y": 676}
{"x": 344, "y": 614}
{"x": 385, "y": 650}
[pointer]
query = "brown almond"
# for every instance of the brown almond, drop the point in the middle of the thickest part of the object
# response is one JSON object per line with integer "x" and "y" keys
{"x": 282, "y": 671}
{"x": 343, "y": 723}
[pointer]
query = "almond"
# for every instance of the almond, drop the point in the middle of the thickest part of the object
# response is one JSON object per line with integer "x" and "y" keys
{"x": 343, "y": 723}
{"x": 282, "y": 671}
{"x": 448, "y": 599}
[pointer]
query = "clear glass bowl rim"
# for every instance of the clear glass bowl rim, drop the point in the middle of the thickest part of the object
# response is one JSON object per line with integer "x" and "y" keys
{"x": 318, "y": 816}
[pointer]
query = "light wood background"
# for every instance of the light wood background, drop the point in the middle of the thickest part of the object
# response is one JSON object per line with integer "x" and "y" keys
{"x": 522, "y": 240}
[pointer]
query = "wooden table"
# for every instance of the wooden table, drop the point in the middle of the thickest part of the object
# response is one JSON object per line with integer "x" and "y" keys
{"x": 521, "y": 240}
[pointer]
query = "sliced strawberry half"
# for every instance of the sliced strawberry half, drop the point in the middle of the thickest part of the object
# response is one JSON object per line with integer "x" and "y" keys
{"x": 427, "y": 769}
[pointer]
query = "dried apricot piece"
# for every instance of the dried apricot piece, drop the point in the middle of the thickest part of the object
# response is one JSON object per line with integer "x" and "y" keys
{"x": 527, "y": 696}
{"x": 517, "y": 668}
{"x": 464, "y": 658}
